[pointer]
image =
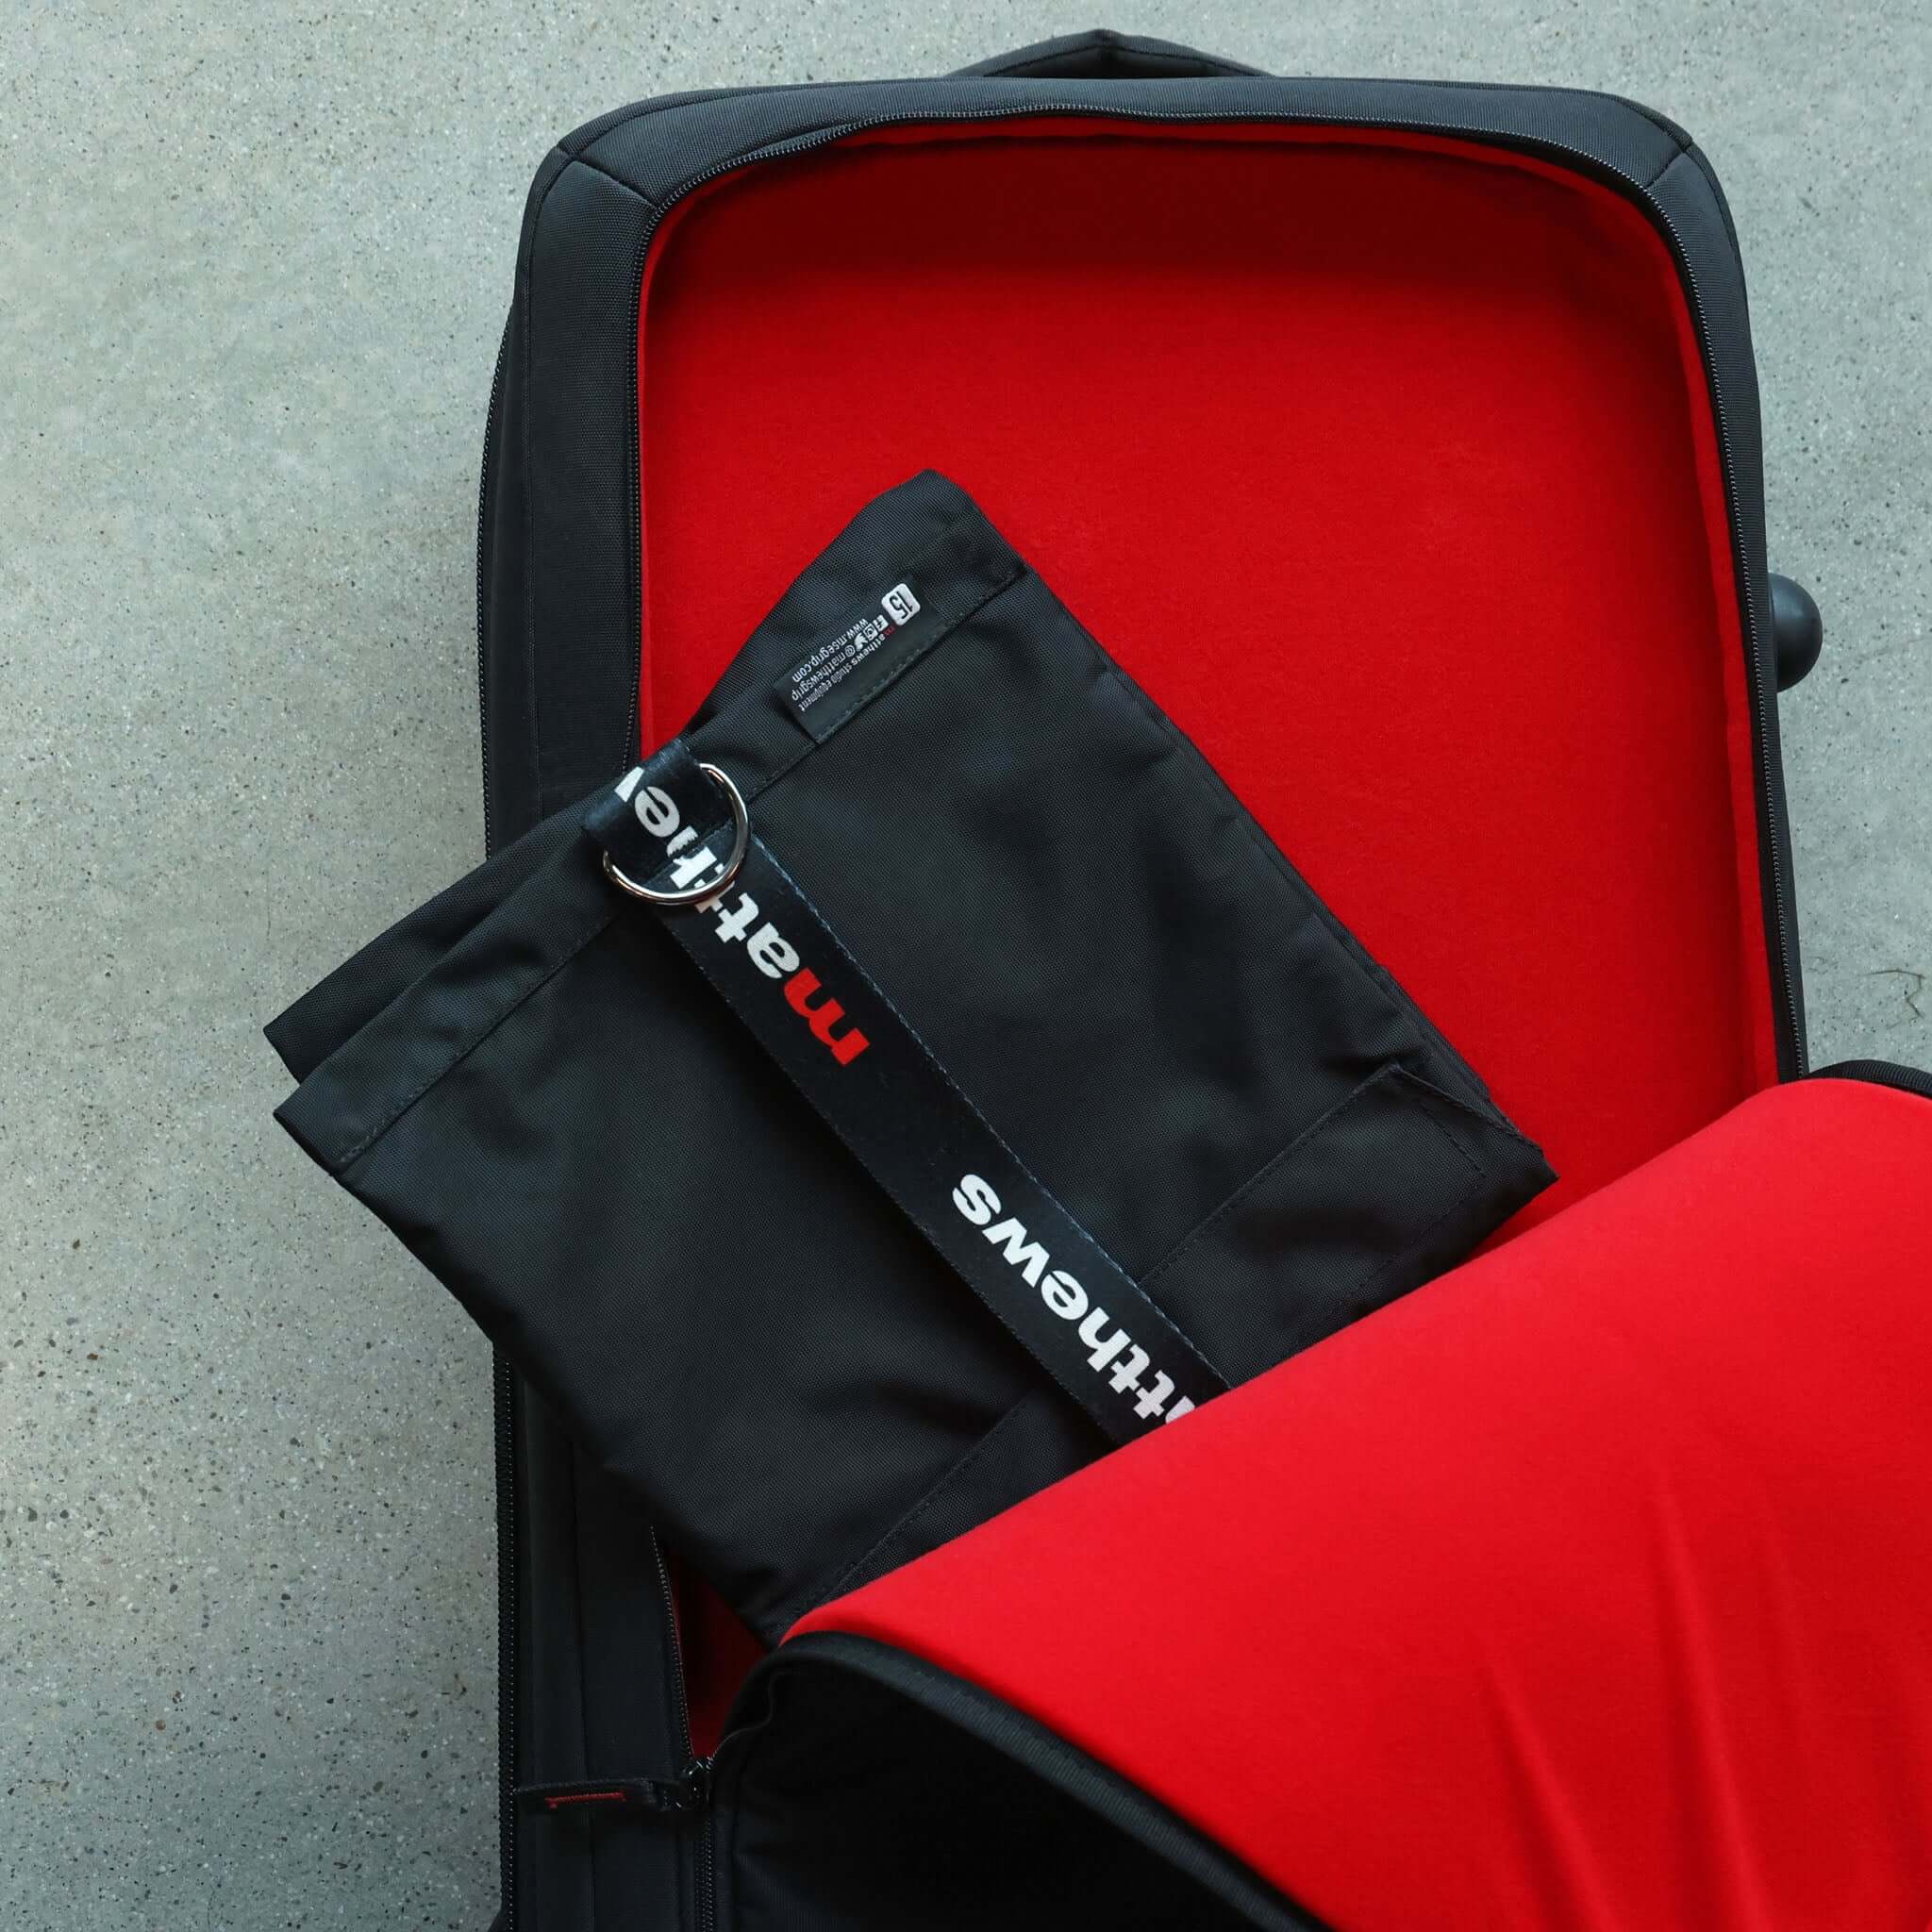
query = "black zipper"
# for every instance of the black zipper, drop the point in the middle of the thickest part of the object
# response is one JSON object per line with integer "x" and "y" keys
{"x": 483, "y": 579}
{"x": 506, "y": 1566}
{"x": 696, "y": 1778}
{"x": 503, "y": 1382}
{"x": 1761, "y": 689}
{"x": 1879, "y": 1073}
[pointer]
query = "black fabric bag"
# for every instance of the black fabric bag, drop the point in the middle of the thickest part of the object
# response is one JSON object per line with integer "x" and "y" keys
{"x": 1052, "y": 1005}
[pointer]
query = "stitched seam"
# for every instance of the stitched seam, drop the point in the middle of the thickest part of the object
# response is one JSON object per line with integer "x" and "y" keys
{"x": 526, "y": 493}
{"x": 576, "y": 1544}
{"x": 443, "y": 1072}
{"x": 920, "y": 1509}
{"x": 1211, "y": 782}
{"x": 1294, "y": 1145}
{"x": 1368, "y": 1280}
{"x": 1664, "y": 170}
{"x": 584, "y": 161}
{"x": 1299, "y": 1145}
{"x": 1054, "y": 66}
{"x": 1500, "y": 1122}
{"x": 724, "y": 161}
{"x": 642, "y": 110}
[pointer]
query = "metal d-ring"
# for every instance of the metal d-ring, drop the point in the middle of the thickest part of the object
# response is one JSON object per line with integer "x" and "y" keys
{"x": 696, "y": 895}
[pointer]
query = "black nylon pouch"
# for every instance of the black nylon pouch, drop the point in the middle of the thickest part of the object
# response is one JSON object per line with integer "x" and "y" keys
{"x": 1079, "y": 976}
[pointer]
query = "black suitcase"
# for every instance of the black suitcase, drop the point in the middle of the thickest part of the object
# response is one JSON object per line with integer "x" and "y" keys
{"x": 998, "y": 291}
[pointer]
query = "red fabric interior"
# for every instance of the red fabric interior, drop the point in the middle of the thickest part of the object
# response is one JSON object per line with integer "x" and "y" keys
{"x": 1584, "y": 1589}
{"x": 715, "y": 1650}
{"x": 1384, "y": 464}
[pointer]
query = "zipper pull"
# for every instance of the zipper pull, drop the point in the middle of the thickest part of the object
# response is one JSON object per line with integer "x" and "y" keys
{"x": 694, "y": 1784}
{"x": 690, "y": 1791}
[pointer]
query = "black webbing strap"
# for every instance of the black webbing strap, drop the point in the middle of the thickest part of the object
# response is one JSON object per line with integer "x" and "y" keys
{"x": 671, "y": 827}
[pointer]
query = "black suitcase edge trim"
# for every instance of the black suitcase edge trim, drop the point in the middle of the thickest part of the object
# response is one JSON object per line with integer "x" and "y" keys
{"x": 970, "y": 1711}
{"x": 1902, "y": 1079}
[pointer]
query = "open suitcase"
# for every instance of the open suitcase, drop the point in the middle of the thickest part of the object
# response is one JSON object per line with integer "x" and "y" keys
{"x": 1402, "y": 441}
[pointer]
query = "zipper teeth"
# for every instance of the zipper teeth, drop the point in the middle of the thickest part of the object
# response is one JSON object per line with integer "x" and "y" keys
{"x": 1764, "y": 689}
{"x": 1791, "y": 1020}
{"x": 482, "y": 581}
{"x": 503, "y": 1394}
{"x": 708, "y": 1879}
{"x": 680, "y": 1703}
{"x": 507, "y": 1636}
{"x": 1915, "y": 1080}
{"x": 680, "y": 1706}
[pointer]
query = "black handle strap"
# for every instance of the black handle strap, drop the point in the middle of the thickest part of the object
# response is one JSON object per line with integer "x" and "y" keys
{"x": 1102, "y": 54}
{"x": 671, "y": 827}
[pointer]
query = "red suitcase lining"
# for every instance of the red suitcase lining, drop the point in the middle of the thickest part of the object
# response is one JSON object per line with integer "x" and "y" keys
{"x": 1584, "y": 1589}
{"x": 1385, "y": 463}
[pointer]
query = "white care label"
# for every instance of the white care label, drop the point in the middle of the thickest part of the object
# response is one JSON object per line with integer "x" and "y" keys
{"x": 813, "y": 686}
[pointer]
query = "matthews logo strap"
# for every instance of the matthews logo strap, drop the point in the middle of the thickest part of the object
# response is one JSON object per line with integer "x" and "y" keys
{"x": 676, "y": 834}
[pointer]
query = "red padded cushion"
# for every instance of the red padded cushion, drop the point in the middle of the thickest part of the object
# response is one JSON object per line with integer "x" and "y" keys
{"x": 1587, "y": 1587}
{"x": 1384, "y": 464}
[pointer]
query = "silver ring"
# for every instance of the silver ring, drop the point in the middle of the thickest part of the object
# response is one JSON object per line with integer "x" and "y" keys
{"x": 696, "y": 895}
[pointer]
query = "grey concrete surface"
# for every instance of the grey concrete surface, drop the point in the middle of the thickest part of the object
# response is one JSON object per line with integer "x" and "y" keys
{"x": 251, "y": 270}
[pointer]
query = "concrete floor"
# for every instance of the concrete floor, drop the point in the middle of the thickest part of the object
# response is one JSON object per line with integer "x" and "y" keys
{"x": 254, "y": 266}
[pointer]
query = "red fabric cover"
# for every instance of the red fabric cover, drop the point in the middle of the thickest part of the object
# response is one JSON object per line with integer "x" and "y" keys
{"x": 1587, "y": 1587}
{"x": 1384, "y": 464}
